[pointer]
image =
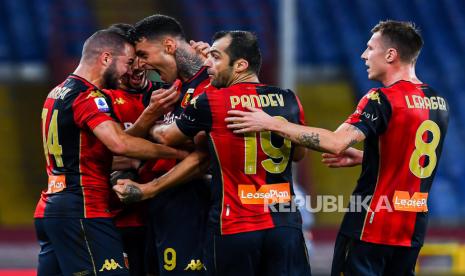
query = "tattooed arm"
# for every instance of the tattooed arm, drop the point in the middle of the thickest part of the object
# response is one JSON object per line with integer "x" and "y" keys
{"x": 318, "y": 139}
{"x": 193, "y": 166}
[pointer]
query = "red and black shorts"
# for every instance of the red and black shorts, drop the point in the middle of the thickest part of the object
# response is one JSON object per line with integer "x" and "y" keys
{"x": 359, "y": 258}
{"x": 74, "y": 246}
{"x": 279, "y": 251}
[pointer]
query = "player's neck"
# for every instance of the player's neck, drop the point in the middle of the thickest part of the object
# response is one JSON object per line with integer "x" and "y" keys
{"x": 246, "y": 77}
{"x": 90, "y": 74}
{"x": 188, "y": 62}
{"x": 403, "y": 72}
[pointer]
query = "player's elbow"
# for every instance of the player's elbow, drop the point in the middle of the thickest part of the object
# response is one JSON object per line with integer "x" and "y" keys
{"x": 162, "y": 139}
{"x": 169, "y": 138}
{"x": 159, "y": 135}
{"x": 338, "y": 148}
{"x": 118, "y": 149}
{"x": 119, "y": 146}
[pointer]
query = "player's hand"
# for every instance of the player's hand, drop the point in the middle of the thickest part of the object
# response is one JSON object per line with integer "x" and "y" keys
{"x": 163, "y": 100}
{"x": 349, "y": 158}
{"x": 202, "y": 48}
{"x": 254, "y": 120}
{"x": 123, "y": 174}
{"x": 187, "y": 146}
{"x": 129, "y": 191}
{"x": 182, "y": 154}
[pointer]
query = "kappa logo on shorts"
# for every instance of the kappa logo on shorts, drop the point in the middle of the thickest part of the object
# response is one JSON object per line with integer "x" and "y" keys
{"x": 195, "y": 265}
{"x": 110, "y": 265}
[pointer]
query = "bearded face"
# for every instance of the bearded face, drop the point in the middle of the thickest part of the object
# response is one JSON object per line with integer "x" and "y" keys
{"x": 111, "y": 77}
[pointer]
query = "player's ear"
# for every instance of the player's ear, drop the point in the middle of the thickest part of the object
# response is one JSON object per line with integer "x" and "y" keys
{"x": 105, "y": 58}
{"x": 241, "y": 65}
{"x": 391, "y": 55}
{"x": 169, "y": 44}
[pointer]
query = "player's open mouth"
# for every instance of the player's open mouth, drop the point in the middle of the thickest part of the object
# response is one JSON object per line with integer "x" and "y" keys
{"x": 137, "y": 76}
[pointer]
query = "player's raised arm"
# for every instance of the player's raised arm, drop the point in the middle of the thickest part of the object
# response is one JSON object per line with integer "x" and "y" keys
{"x": 311, "y": 137}
{"x": 193, "y": 166}
{"x": 168, "y": 134}
{"x": 161, "y": 102}
{"x": 117, "y": 141}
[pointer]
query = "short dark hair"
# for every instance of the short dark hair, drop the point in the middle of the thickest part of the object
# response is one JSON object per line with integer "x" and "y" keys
{"x": 123, "y": 29}
{"x": 403, "y": 36}
{"x": 104, "y": 40}
{"x": 156, "y": 26}
{"x": 244, "y": 45}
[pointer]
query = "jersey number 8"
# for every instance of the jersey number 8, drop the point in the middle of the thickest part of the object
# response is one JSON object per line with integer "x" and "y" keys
{"x": 425, "y": 148}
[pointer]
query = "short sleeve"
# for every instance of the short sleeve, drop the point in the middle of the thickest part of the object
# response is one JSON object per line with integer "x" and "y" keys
{"x": 91, "y": 108}
{"x": 372, "y": 114}
{"x": 196, "y": 117}
{"x": 301, "y": 112}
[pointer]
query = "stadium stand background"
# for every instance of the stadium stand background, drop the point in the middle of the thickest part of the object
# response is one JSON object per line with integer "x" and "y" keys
{"x": 41, "y": 40}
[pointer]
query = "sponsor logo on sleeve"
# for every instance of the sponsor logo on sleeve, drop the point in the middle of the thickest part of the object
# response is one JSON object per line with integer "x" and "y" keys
{"x": 95, "y": 94}
{"x": 119, "y": 101}
{"x": 102, "y": 104}
{"x": 374, "y": 96}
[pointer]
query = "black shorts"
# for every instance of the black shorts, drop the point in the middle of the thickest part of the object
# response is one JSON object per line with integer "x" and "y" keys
{"x": 73, "y": 246}
{"x": 151, "y": 257}
{"x": 178, "y": 221}
{"x": 359, "y": 258}
{"x": 134, "y": 248}
{"x": 276, "y": 251}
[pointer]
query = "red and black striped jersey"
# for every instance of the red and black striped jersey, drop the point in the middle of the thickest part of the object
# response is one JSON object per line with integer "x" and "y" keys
{"x": 187, "y": 90}
{"x": 190, "y": 200}
{"x": 405, "y": 125}
{"x": 250, "y": 171}
{"x": 128, "y": 105}
{"x": 78, "y": 164}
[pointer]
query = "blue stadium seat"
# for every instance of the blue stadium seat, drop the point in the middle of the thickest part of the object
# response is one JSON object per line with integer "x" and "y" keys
{"x": 5, "y": 42}
{"x": 21, "y": 29}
